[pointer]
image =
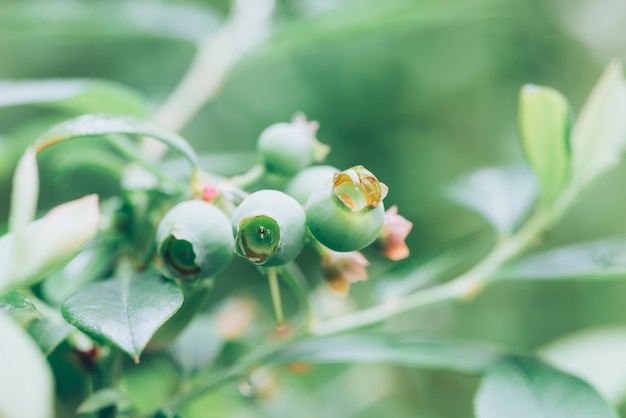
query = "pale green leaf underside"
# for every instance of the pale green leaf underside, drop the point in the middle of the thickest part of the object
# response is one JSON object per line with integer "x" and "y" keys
{"x": 125, "y": 311}
{"x": 597, "y": 259}
{"x": 544, "y": 128}
{"x": 26, "y": 385}
{"x": 595, "y": 355}
{"x": 104, "y": 124}
{"x": 519, "y": 387}
{"x": 51, "y": 241}
{"x": 407, "y": 350}
{"x": 599, "y": 135}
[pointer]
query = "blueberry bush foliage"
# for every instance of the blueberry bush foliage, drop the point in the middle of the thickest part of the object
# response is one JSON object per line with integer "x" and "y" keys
{"x": 206, "y": 284}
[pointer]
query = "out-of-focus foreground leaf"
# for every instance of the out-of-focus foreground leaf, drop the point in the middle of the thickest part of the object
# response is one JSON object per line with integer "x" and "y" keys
{"x": 51, "y": 242}
{"x": 26, "y": 387}
{"x": 595, "y": 355}
{"x": 520, "y": 387}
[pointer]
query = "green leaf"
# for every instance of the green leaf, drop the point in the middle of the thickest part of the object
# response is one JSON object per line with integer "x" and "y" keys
{"x": 48, "y": 335}
{"x": 501, "y": 196}
{"x": 544, "y": 120}
{"x": 198, "y": 345}
{"x": 51, "y": 242}
{"x": 595, "y": 355}
{"x": 591, "y": 260}
{"x": 599, "y": 134}
{"x": 26, "y": 385}
{"x": 406, "y": 350}
{"x": 102, "y": 124}
{"x": 76, "y": 95}
{"x": 125, "y": 311}
{"x": 519, "y": 387}
{"x": 103, "y": 398}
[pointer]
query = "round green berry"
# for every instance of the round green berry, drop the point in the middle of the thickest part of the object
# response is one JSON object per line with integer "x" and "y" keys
{"x": 270, "y": 228}
{"x": 347, "y": 213}
{"x": 287, "y": 148}
{"x": 194, "y": 240}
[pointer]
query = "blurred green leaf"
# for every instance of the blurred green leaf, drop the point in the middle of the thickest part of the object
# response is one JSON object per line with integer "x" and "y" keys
{"x": 92, "y": 263}
{"x": 501, "y": 196}
{"x": 406, "y": 350}
{"x": 198, "y": 345}
{"x": 149, "y": 384}
{"x": 125, "y": 311}
{"x": 108, "y": 19}
{"x": 595, "y": 355}
{"x": 103, "y": 398}
{"x": 408, "y": 278}
{"x": 599, "y": 135}
{"x": 51, "y": 242}
{"x": 25, "y": 193}
{"x": 76, "y": 95}
{"x": 544, "y": 129}
{"x": 597, "y": 259}
{"x": 102, "y": 124}
{"x": 48, "y": 335}
{"x": 26, "y": 385}
{"x": 520, "y": 387}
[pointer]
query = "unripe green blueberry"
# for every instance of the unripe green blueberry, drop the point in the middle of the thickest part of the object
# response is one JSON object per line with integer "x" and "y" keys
{"x": 287, "y": 148}
{"x": 301, "y": 186}
{"x": 270, "y": 228}
{"x": 346, "y": 214}
{"x": 194, "y": 240}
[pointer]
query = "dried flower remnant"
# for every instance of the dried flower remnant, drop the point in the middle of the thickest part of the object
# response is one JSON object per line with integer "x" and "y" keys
{"x": 341, "y": 269}
{"x": 391, "y": 240}
{"x": 357, "y": 188}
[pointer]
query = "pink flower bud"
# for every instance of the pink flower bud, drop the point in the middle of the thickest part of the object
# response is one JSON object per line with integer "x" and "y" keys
{"x": 342, "y": 269}
{"x": 390, "y": 241}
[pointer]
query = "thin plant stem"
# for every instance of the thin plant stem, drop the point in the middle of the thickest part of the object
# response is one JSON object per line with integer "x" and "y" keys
{"x": 214, "y": 58}
{"x": 272, "y": 275}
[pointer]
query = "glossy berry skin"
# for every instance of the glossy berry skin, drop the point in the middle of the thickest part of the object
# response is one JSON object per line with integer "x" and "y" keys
{"x": 194, "y": 240}
{"x": 270, "y": 228}
{"x": 347, "y": 213}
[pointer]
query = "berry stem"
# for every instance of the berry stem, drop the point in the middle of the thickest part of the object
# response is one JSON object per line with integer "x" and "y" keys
{"x": 272, "y": 275}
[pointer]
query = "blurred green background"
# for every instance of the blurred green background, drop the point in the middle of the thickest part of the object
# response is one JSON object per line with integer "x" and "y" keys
{"x": 420, "y": 92}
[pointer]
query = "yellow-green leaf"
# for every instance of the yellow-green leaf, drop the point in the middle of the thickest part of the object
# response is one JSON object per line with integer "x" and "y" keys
{"x": 544, "y": 128}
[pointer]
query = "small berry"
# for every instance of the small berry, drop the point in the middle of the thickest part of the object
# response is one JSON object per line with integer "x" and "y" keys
{"x": 270, "y": 228}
